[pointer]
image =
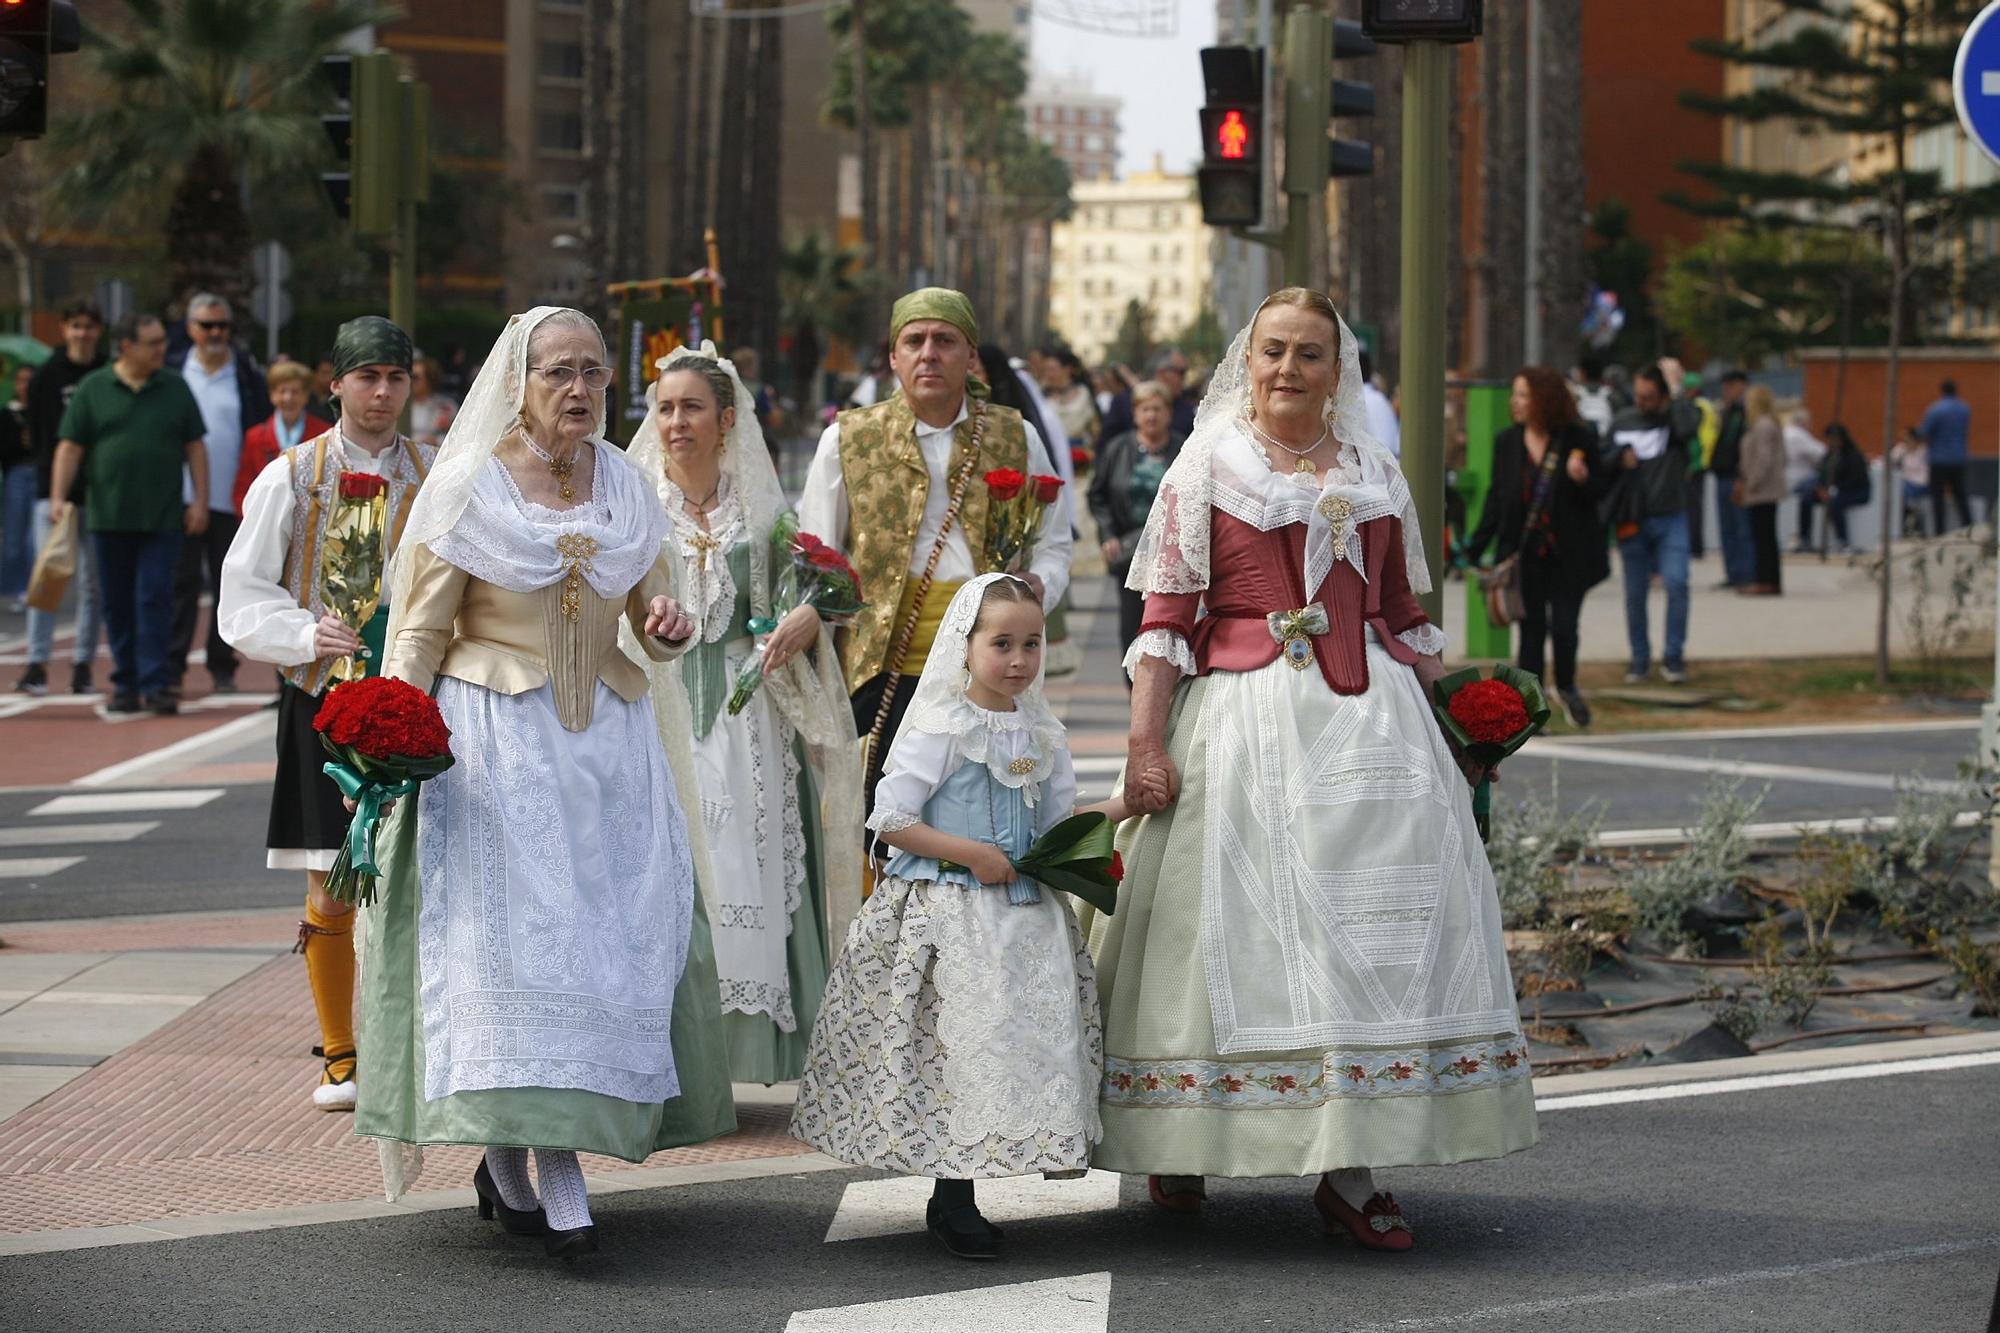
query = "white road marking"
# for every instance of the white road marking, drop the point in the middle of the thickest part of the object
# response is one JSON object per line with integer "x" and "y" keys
{"x": 35, "y": 867}
{"x": 1646, "y": 837}
{"x": 896, "y": 1207}
{"x": 1690, "y": 1286}
{"x": 185, "y": 748}
{"x": 122, "y": 802}
{"x": 1759, "y": 1082}
{"x": 1778, "y": 733}
{"x": 1080, "y": 1304}
{"x": 49, "y": 835}
{"x": 1681, "y": 763}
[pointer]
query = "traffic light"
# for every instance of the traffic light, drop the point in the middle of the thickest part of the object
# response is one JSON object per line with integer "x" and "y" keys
{"x": 1423, "y": 20}
{"x": 1231, "y": 177}
{"x": 1350, "y": 157}
{"x": 369, "y": 131}
{"x": 30, "y": 32}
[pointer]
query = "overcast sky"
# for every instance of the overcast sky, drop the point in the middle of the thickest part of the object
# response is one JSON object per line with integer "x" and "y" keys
{"x": 1158, "y": 79}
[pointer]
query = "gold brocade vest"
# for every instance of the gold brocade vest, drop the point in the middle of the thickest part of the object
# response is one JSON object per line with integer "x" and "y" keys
{"x": 887, "y": 488}
{"x": 315, "y": 489}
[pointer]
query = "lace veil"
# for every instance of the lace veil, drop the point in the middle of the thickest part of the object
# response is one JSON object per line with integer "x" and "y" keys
{"x": 1173, "y": 552}
{"x": 941, "y": 708}
{"x": 808, "y": 690}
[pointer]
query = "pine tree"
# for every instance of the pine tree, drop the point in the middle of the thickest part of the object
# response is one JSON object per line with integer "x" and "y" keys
{"x": 1876, "y": 72}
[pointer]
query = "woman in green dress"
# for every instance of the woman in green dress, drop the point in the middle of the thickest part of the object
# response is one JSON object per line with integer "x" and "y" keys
{"x": 780, "y": 774}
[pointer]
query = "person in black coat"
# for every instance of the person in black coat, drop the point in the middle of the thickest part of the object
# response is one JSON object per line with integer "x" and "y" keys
{"x": 1564, "y": 556}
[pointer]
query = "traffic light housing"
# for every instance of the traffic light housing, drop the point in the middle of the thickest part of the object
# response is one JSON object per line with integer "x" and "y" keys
{"x": 1350, "y": 157}
{"x": 31, "y": 31}
{"x": 1399, "y": 21}
{"x": 379, "y": 135}
{"x": 1231, "y": 176}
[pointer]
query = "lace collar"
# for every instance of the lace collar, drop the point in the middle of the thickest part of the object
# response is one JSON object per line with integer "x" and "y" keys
{"x": 707, "y": 582}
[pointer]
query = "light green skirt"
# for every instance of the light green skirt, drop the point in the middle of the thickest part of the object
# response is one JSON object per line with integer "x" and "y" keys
{"x": 389, "y": 1040}
{"x": 1174, "y": 1106}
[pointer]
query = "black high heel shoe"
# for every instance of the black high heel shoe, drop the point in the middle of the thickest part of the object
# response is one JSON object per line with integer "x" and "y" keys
{"x": 512, "y": 1220}
{"x": 568, "y": 1245}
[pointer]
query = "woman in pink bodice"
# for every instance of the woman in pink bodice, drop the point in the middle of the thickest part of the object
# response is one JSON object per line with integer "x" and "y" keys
{"x": 1306, "y": 975}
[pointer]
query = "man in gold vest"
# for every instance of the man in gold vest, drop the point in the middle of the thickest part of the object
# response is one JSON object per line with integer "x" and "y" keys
{"x": 273, "y": 609}
{"x": 899, "y": 486}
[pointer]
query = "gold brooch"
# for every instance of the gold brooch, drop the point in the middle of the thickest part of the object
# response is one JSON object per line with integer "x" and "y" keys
{"x": 1338, "y": 509}
{"x": 576, "y": 550}
{"x": 1023, "y": 766}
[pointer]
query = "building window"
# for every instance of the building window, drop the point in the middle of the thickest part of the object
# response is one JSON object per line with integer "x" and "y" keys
{"x": 562, "y": 60}
{"x": 562, "y": 203}
{"x": 559, "y": 132}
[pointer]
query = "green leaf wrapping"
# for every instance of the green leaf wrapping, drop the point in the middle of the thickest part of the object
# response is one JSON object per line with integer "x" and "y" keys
{"x": 1075, "y": 857}
{"x": 1489, "y": 754}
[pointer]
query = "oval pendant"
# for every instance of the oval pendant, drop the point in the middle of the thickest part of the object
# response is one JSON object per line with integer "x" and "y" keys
{"x": 1299, "y": 653}
{"x": 1305, "y": 465}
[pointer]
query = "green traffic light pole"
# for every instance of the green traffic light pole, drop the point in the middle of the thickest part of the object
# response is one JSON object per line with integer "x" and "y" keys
{"x": 1426, "y": 184}
{"x": 1308, "y": 51}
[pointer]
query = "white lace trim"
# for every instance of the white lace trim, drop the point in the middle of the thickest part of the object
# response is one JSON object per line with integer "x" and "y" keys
{"x": 1426, "y": 639}
{"x": 1169, "y": 645}
{"x": 892, "y": 821}
{"x": 708, "y": 586}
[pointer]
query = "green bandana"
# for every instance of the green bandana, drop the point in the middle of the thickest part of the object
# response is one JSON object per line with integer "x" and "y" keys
{"x": 370, "y": 341}
{"x": 935, "y": 303}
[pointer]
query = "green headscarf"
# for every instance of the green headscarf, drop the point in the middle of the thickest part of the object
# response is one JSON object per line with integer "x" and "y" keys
{"x": 370, "y": 341}
{"x": 935, "y": 303}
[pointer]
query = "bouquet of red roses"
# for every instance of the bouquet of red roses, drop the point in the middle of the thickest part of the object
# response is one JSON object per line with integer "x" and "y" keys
{"x": 351, "y": 560}
{"x": 385, "y": 736}
{"x": 815, "y": 575}
{"x": 1014, "y": 515}
{"x": 1489, "y": 717}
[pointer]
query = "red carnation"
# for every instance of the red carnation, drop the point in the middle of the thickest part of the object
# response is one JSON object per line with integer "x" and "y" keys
{"x": 1117, "y": 868}
{"x": 1081, "y": 458}
{"x": 825, "y": 557}
{"x": 1491, "y": 711}
{"x": 380, "y": 717}
{"x": 807, "y": 543}
{"x": 361, "y": 485}
{"x": 1004, "y": 483}
{"x": 1047, "y": 489}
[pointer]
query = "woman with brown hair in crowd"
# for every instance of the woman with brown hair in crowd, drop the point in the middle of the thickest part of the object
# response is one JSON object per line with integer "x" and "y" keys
{"x": 1541, "y": 511}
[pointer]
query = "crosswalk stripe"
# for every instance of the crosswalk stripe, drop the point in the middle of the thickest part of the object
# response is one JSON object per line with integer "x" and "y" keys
{"x": 1080, "y": 1304}
{"x": 48, "y": 835}
{"x": 121, "y": 802}
{"x": 35, "y": 867}
{"x": 896, "y": 1206}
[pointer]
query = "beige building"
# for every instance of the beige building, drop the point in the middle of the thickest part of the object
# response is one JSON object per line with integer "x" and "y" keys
{"x": 1079, "y": 124}
{"x": 1137, "y": 239}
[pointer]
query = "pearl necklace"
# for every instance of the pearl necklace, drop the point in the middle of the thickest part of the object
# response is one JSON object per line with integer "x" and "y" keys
{"x": 1304, "y": 465}
{"x": 562, "y": 469}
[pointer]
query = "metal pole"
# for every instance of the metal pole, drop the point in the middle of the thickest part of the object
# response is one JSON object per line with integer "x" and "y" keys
{"x": 1308, "y": 55}
{"x": 1531, "y": 332}
{"x": 1426, "y": 186}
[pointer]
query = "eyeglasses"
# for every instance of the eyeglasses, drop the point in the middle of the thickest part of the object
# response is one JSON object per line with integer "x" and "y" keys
{"x": 595, "y": 378}
{"x": 214, "y": 325}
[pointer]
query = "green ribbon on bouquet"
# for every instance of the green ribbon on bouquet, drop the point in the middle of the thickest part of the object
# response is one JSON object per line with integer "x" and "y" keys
{"x": 368, "y": 797}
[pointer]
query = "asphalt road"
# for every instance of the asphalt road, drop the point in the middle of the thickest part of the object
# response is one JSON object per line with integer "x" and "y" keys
{"x": 1860, "y": 1206}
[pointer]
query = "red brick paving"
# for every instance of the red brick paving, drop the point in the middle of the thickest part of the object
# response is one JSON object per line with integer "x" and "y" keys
{"x": 274, "y": 928}
{"x": 210, "y": 1114}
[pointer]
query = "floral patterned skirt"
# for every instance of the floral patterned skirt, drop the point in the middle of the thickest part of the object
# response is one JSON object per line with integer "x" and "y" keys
{"x": 1421, "y": 1082}
{"x": 959, "y": 1037}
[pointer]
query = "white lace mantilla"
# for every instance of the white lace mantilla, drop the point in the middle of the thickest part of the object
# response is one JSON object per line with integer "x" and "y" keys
{"x": 511, "y": 542}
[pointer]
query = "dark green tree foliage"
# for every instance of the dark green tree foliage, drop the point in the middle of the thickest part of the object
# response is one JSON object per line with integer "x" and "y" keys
{"x": 1623, "y": 263}
{"x": 204, "y": 97}
{"x": 1133, "y": 345}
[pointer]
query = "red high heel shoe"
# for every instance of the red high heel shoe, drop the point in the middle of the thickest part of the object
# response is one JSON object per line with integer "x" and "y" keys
{"x": 1379, "y": 1225}
{"x": 1186, "y": 1201}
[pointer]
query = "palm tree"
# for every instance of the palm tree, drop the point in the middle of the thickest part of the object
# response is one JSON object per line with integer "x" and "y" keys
{"x": 825, "y": 292}
{"x": 202, "y": 98}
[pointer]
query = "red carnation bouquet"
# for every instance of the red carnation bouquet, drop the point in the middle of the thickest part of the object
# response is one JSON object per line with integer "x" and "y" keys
{"x": 1014, "y": 515}
{"x": 385, "y": 736}
{"x": 1489, "y": 717}
{"x": 815, "y": 575}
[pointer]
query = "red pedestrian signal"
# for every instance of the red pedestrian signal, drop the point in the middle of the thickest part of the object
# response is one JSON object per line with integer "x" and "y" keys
{"x": 1232, "y": 136}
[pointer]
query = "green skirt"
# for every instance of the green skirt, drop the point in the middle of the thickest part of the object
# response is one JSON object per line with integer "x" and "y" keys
{"x": 389, "y": 1039}
{"x": 759, "y": 1051}
{"x": 1174, "y": 1105}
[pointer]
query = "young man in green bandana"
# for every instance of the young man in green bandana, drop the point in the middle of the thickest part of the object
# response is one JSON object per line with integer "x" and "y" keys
{"x": 273, "y": 609}
{"x": 882, "y": 483}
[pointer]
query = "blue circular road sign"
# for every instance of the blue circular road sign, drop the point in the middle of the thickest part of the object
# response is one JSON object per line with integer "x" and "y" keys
{"x": 1975, "y": 81}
